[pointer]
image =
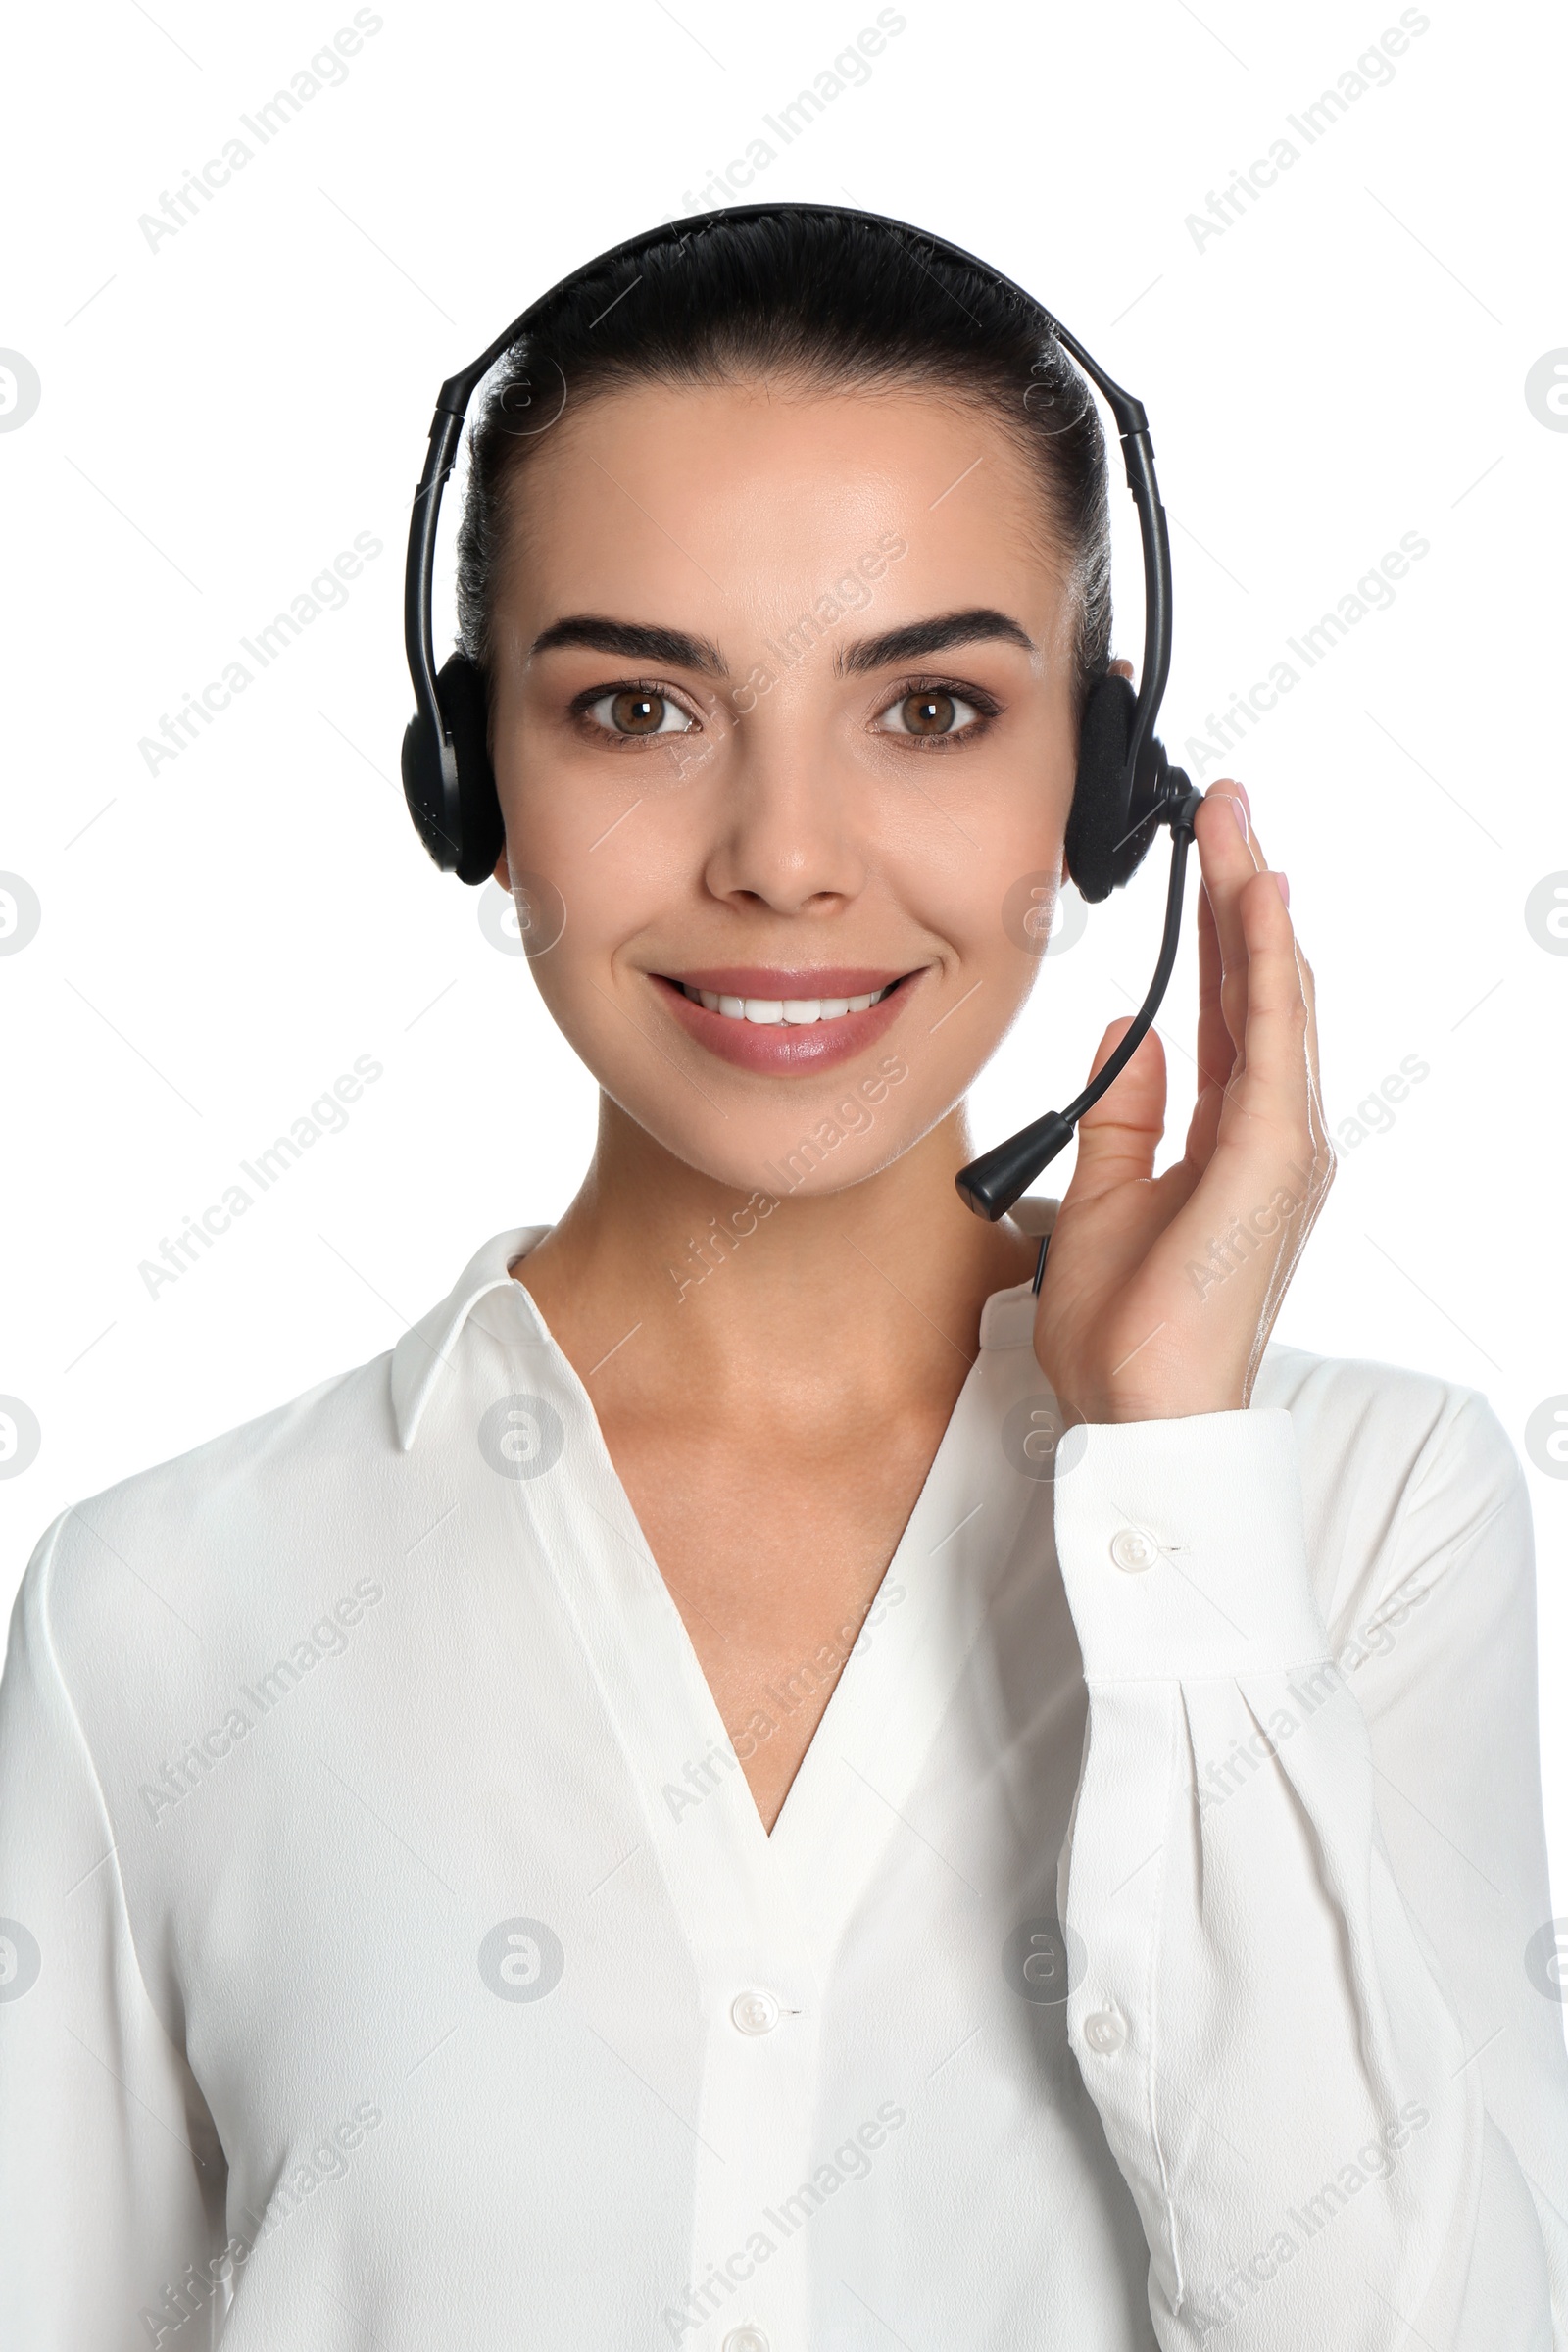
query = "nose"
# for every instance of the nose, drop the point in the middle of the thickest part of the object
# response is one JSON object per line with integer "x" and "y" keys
{"x": 789, "y": 831}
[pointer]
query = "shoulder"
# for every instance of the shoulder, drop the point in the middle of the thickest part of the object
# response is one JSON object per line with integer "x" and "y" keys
{"x": 186, "y": 1541}
{"x": 266, "y": 1518}
{"x": 1401, "y": 1474}
{"x": 1382, "y": 1425}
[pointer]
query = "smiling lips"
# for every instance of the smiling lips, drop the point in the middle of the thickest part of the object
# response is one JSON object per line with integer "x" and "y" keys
{"x": 780, "y": 1022}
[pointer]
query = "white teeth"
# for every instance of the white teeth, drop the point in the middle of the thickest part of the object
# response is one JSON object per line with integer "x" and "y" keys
{"x": 772, "y": 1011}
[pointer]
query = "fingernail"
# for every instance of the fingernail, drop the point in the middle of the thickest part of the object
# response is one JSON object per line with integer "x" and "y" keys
{"x": 1239, "y": 812}
{"x": 1285, "y": 887}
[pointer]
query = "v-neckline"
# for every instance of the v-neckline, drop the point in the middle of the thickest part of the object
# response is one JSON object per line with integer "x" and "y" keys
{"x": 850, "y": 1787}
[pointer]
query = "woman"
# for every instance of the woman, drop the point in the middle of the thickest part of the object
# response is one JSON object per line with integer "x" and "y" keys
{"x": 669, "y": 1809}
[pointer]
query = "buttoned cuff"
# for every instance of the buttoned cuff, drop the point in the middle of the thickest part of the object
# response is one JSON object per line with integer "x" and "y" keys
{"x": 1182, "y": 1548}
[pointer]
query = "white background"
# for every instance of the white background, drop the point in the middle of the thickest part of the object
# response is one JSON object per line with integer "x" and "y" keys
{"x": 223, "y": 413}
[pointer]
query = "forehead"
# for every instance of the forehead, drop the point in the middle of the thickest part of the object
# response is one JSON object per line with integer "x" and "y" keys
{"x": 685, "y": 501}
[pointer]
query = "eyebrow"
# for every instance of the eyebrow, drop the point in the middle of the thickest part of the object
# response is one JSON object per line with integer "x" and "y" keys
{"x": 933, "y": 636}
{"x": 638, "y": 640}
{"x": 642, "y": 641}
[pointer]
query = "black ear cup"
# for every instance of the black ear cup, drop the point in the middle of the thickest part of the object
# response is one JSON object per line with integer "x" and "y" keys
{"x": 1113, "y": 816}
{"x": 470, "y": 846}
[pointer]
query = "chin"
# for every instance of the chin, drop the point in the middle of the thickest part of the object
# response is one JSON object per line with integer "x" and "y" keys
{"x": 823, "y": 1140}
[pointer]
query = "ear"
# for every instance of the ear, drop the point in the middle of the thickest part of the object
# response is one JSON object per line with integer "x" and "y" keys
{"x": 503, "y": 872}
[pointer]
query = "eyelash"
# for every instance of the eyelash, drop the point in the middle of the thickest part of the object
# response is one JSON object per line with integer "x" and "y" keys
{"x": 984, "y": 704}
{"x": 985, "y": 707}
{"x": 581, "y": 706}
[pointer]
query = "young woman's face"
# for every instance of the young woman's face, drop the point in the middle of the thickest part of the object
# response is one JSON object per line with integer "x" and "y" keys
{"x": 782, "y": 722}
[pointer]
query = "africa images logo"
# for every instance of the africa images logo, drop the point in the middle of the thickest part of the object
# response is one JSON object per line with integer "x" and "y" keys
{"x": 21, "y": 1960}
{"x": 19, "y": 390}
{"x": 522, "y": 1960}
{"x": 520, "y": 1437}
{"x": 1545, "y": 390}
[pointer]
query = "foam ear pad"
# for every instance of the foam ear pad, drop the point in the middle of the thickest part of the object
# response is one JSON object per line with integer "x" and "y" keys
{"x": 480, "y": 835}
{"x": 1114, "y": 817}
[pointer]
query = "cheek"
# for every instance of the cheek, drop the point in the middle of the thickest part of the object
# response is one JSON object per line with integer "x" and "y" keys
{"x": 606, "y": 836}
{"x": 983, "y": 870}
{"x": 957, "y": 871}
{"x": 616, "y": 878}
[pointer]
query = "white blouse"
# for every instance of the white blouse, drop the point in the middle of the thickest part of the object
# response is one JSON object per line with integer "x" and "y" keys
{"x": 392, "y": 1955}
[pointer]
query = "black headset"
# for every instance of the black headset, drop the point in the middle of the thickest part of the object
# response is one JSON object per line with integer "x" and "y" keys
{"x": 1125, "y": 787}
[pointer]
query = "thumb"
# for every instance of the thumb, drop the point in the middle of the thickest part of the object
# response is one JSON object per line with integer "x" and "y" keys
{"x": 1118, "y": 1135}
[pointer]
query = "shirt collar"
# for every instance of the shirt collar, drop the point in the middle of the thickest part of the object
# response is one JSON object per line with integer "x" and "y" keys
{"x": 422, "y": 1354}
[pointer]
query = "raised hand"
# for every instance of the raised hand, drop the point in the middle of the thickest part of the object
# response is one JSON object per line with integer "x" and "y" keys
{"x": 1159, "y": 1293}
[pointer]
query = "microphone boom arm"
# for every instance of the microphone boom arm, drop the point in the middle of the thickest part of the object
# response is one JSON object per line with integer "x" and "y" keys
{"x": 990, "y": 1184}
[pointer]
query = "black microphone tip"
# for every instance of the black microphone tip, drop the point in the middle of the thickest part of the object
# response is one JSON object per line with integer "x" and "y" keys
{"x": 990, "y": 1184}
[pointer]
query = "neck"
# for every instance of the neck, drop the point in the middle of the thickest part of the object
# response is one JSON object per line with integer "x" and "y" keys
{"x": 665, "y": 1287}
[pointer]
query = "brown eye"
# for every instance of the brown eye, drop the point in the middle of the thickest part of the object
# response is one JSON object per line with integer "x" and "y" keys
{"x": 635, "y": 711}
{"x": 933, "y": 711}
{"x": 927, "y": 713}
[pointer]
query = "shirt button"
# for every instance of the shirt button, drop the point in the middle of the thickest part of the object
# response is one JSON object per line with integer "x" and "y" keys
{"x": 1133, "y": 1550}
{"x": 751, "y": 2013}
{"x": 1104, "y": 2032}
{"x": 744, "y": 2339}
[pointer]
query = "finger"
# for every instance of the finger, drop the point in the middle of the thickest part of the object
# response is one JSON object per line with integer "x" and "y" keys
{"x": 1308, "y": 1199}
{"x": 1303, "y": 967}
{"x": 1272, "y": 1102}
{"x": 1309, "y": 982}
{"x": 1308, "y": 986}
{"x": 1230, "y": 859}
{"x": 1270, "y": 1126}
{"x": 1281, "y": 1070}
{"x": 1118, "y": 1135}
{"x": 1309, "y": 992}
{"x": 1217, "y": 1048}
{"x": 1284, "y": 1030}
{"x": 1216, "y": 1053}
{"x": 1202, "y": 1128}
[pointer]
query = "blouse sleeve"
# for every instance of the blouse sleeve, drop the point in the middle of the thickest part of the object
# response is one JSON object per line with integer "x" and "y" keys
{"x": 1324, "y": 2069}
{"x": 111, "y": 2175}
